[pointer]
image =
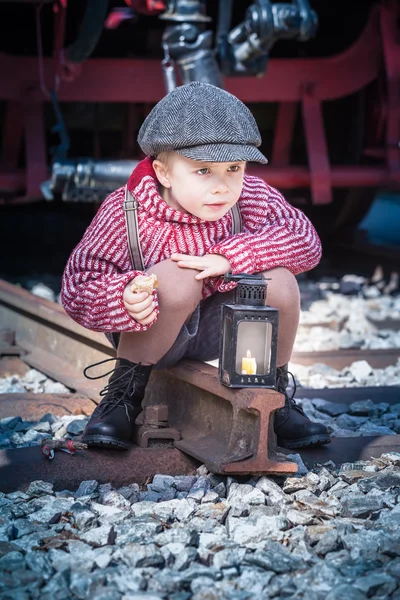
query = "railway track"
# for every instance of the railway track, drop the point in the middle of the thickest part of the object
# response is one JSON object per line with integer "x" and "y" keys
{"x": 189, "y": 417}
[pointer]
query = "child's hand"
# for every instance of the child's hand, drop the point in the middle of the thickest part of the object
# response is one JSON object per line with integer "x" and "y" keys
{"x": 210, "y": 265}
{"x": 140, "y": 306}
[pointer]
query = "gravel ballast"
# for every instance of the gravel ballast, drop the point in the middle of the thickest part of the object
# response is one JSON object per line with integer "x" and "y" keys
{"x": 206, "y": 537}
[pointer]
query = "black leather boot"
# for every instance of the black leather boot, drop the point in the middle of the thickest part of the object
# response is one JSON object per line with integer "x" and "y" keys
{"x": 111, "y": 424}
{"x": 292, "y": 427}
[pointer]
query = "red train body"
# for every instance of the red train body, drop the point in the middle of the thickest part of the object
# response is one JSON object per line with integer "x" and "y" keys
{"x": 328, "y": 109}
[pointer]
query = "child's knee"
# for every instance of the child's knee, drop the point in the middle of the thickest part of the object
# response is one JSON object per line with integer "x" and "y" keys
{"x": 178, "y": 288}
{"x": 283, "y": 290}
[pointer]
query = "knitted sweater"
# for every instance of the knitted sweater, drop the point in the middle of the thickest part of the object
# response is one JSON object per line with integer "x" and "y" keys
{"x": 274, "y": 234}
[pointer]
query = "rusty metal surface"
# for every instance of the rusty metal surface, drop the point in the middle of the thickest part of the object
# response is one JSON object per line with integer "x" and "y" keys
{"x": 60, "y": 369}
{"x": 227, "y": 429}
{"x": 53, "y": 342}
{"x": 335, "y": 324}
{"x": 32, "y": 407}
{"x": 339, "y": 359}
{"x": 8, "y": 347}
{"x": 393, "y": 324}
{"x": 343, "y": 450}
{"x": 389, "y": 394}
{"x": 266, "y": 459}
{"x": 11, "y": 350}
{"x": 154, "y": 426}
{"x": 12, "y": 366}
{"x": 42, "y": 309}
{"x": 20, "y": 466}
{"x": 7, "y": 336}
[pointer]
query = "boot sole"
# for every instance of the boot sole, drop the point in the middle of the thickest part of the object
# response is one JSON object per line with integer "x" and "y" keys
{"x": 97, "y": 441}
{"x": 308, "y": 442}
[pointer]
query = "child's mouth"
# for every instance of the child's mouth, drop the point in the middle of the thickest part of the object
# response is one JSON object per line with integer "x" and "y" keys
{"x": 216, "y": 205}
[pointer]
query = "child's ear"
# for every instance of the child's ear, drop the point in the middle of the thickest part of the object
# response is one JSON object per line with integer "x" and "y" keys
{"x": 161, "y": 172}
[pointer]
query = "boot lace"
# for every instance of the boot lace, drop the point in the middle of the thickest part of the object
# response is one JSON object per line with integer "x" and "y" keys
{"x": 117, "y": 391}
{"x": 290, "y": 402}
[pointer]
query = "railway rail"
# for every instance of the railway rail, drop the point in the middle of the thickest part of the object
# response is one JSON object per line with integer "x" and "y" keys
{"x": 189, "y": 418}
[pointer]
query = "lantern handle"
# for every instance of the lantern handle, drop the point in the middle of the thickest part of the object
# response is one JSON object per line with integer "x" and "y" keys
{"x": 240, "y": 276}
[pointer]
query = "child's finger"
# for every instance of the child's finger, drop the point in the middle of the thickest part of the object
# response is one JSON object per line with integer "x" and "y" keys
{"x": 177, "y": 256}
{"x": 143, "y": 314}
{"x": 193, "y": 262}
{"x": 147, "y": 320}
{"x": 145, "y": 310}
{"x": 140, "y": 301}
{"x": 204, "y": 274}
{"x": 187, "y": 265}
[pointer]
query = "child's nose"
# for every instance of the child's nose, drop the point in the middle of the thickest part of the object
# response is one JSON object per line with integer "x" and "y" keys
{"x": 220, "y": 186}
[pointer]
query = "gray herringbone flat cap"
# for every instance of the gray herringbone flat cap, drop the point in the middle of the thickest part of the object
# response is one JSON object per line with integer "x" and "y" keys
{"x": 202, "y": 122}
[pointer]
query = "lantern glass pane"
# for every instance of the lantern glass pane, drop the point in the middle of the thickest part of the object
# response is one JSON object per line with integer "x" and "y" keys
{"x": 253, "y": 349}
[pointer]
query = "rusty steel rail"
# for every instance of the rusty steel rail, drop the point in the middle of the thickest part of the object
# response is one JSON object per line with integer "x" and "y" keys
{"x": 50, "y": 341}
{"x": 335, "y": 324}
{"x": 228, "y": 430}
{"x": 20, "y": 466}
{"x": 32, "y": 407}
{"x": 339, "y": 359}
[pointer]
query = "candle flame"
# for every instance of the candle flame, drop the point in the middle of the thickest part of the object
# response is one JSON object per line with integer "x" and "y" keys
{"x": 249, "y": 365}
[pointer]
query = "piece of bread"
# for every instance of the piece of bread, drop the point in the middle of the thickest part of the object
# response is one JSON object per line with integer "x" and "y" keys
{"x": 144, "y": 283}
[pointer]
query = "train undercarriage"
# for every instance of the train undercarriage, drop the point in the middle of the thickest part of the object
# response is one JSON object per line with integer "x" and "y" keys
{"x": 77, "y": 81}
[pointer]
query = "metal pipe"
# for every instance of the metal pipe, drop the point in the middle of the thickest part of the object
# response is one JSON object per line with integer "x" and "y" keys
{"x": 284, "y": 178}
{"x": 341, "y": 176}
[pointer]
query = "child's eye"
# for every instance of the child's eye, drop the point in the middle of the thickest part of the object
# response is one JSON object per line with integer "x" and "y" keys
{"x": 234, "y": 168}
{"x": 203, "y": 171}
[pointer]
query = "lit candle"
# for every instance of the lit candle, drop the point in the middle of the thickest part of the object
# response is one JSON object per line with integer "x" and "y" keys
{"x": 249, "y": 365}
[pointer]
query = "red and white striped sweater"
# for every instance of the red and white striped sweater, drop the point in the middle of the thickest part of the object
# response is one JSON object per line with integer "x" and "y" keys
{"x": 274, "y": 234}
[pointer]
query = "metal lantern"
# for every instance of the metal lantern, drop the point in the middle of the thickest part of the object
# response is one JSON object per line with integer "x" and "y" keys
{"x": 249, "y": 336}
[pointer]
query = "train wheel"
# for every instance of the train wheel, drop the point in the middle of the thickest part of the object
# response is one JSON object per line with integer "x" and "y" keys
{"x": 339, "y": 220}
{"x": 351, "y": 207}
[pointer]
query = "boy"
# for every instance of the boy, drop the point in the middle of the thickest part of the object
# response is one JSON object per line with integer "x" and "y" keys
{"x": 198, "y": 140}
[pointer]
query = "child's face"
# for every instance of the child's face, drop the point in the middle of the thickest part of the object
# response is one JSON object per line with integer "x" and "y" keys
{"x": 206, "y": 190}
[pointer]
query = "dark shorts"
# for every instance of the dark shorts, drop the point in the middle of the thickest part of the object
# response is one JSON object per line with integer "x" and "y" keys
{"x": 199, "y": 338}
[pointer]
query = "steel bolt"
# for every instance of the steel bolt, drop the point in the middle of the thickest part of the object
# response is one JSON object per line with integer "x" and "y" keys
{"x": 158, "y": 412}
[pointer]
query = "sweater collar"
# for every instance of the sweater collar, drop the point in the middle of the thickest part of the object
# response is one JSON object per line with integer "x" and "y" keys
{"x": 143, "y": 184}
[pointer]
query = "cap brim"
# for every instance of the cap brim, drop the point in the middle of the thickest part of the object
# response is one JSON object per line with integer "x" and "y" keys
{"x": 223, "y": 153}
